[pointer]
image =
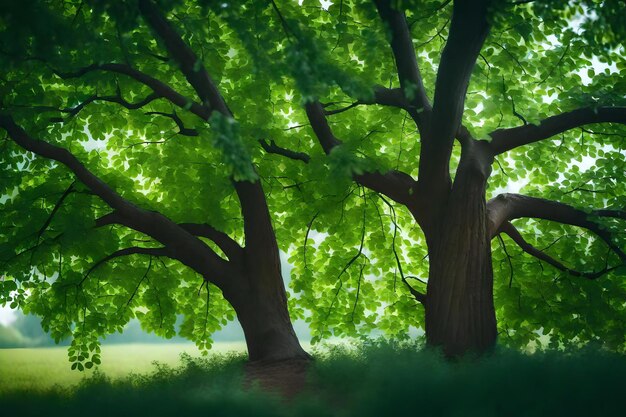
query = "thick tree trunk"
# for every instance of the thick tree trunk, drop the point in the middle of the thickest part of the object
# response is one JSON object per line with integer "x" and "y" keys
{"x": 460, "y": 316}
{"x": 277, "y": 361}
{"x": 267, "y": 327}
{"x": 260, "y": 299}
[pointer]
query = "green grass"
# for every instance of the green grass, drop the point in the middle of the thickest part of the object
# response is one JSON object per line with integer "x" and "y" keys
{"x": 44, "y": 368}
{"x": 371, "y": 380}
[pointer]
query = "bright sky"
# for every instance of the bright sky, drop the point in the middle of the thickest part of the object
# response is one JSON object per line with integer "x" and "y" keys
{"x": 7, "y": 316}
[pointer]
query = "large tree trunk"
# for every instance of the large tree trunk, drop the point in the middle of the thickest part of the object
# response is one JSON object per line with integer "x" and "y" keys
{"x": 260, "y": 299}
{"x": 264, "y": 317}
{"x": 460, "y": 315}
{"x": 277, "y": 362}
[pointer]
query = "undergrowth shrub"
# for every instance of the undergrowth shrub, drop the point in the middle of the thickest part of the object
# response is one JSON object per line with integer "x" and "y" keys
{"x": 371, "y": 379}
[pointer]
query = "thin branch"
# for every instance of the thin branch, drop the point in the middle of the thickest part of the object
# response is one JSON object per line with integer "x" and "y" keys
{"x": 420, "y": 297}
{"x": 306, "y": 238}
{"x": 516, "y": 114}
{"x": 73, "y": 111}
{"x": 272, "y": 147}
{"x": 508, "y": 257}
{"x": 350, "y": 262}
{"x": 182, "y": 129}
{"x": 283, "y": 22}
{"x": 342, "y": 109}
{"x": 558, "y": 65}
{"x": 514, "y": 234}
{"x": 358, "y": 291}
{"x": 56, "y": 208}
{"x": 144, "y": 276}
{"x": 513, "y": 57}
{"x": 159, "y": 87}
{"x": 134, "y": 250}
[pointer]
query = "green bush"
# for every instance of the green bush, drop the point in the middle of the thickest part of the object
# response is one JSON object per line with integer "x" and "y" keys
{"x": 375, "y": 379}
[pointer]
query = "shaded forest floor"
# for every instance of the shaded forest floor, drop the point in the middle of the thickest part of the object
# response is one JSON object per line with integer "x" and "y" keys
{"x": 371, "y": 380}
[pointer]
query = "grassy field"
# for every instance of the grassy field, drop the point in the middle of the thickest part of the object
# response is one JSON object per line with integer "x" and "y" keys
{"x": 44, "y": 368}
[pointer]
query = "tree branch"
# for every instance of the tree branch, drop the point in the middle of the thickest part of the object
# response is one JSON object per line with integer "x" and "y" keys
{"x": 383, "y": 96}
{"x": 109, "y": 219}
{"x": 185, "y": 247}
{"x": 397, "y": 185}
{"x": 182, "y": 129}
{"x": 506, "y": 139}
{"x": 190, "y": 65}
{"x": 507, "y": 207}
{"x": 134, "y": 250}
{"x": 419, "y": 296}
{"x": 514, "y": 234}
{"x": 468, "y": 31}
{"x": 406, "y": 61}
{"x": 56, "y": 208}
{"x": 272, "y": 147}
{"x": 73, "y": 111}
{"x": 228, "y": 245}
{"x": 159, "y": 87}
{"x": 260, "y": 237}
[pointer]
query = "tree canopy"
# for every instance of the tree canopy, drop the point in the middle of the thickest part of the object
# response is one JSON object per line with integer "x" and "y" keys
{"x": 352, "y": 115}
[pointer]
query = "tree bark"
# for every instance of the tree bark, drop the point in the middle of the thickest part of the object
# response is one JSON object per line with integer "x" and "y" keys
{"x": 277, "y": 362}
{"x": 265, "y": 321}
{"x": 460, "y": 316}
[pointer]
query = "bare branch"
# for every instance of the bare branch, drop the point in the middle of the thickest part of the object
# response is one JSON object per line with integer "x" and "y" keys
{"x": 341, "y": 110}
{"x": 514, "y": 234}
{"x": 73, "y": 111}
{"x": 383, "y": 96}
{"x": 506, "y": 139}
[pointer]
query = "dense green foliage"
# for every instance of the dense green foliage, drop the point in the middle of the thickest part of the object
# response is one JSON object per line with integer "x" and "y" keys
{"x": 350, "y": 246}
{"x": 365, "y": 381}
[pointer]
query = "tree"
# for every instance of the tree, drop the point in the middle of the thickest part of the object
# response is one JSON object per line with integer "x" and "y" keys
{"x": 71, "y": 214}
{"x": 504, "y": 78}
{"x": 393, "y": 186}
